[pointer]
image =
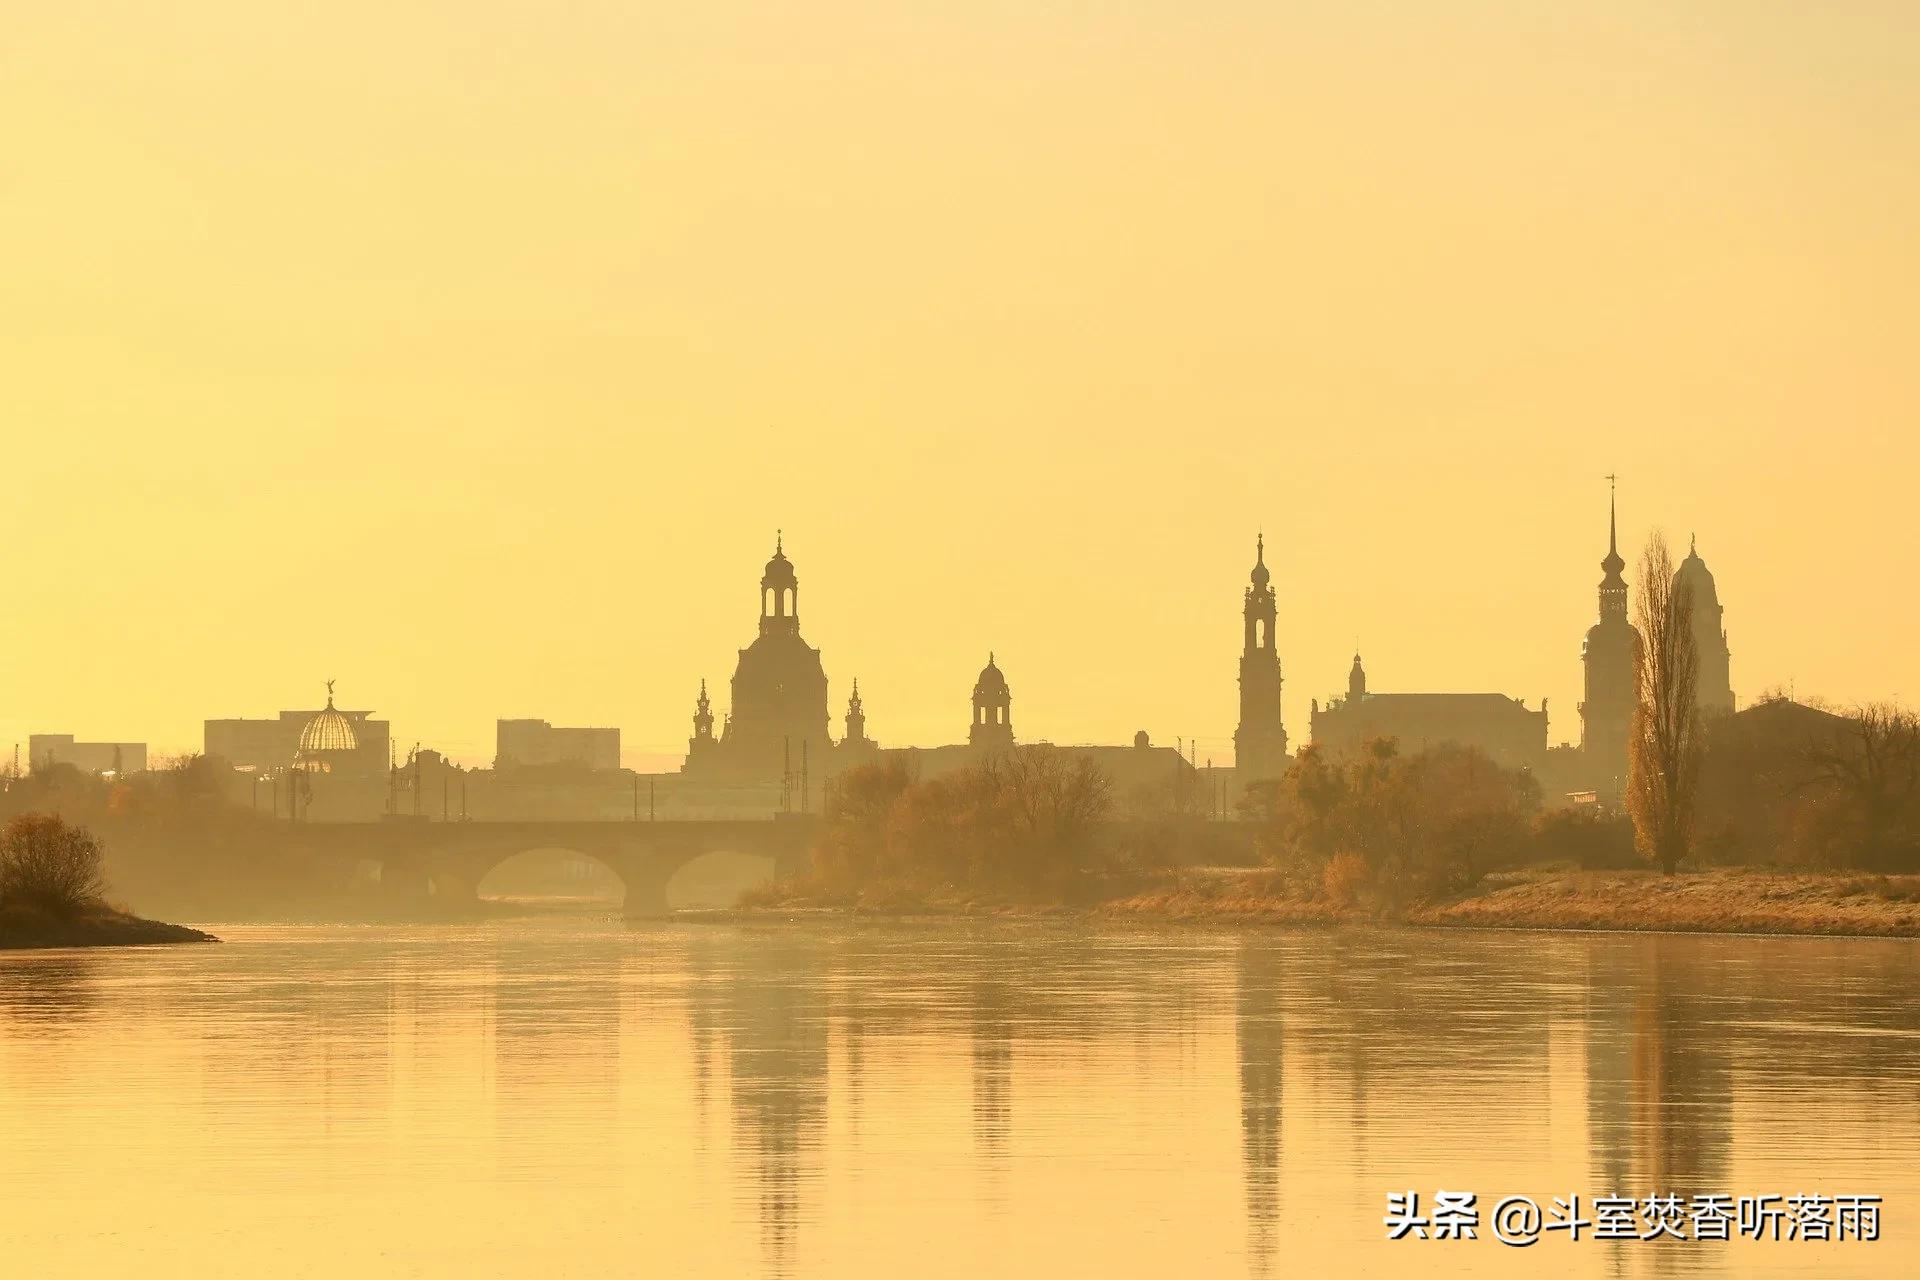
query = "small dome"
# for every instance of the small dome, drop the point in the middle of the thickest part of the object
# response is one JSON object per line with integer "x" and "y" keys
{"x": 990, "y": 681}
{"x": 328, "y": 731}
{"x": 1260, "y": 575}
{"x": 779, "y": 569}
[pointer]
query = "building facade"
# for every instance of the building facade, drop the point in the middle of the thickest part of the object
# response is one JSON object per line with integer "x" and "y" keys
{"x": 1511, "y": 734}
{"x": 264, "y": 746}
{"x": 46, "y": 749}
{"x": 1260, "y": 740}
{"x": 521, "y": 744}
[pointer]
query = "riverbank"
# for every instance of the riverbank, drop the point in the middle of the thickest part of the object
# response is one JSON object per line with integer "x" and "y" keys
{"x": 22, "y": 928}
{"x": 1717, "y": 901}
{"x": 1722, "y": 900}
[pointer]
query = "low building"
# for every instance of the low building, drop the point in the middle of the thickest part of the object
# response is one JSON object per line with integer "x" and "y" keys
{"x": 1503, "y": 727}
{"x": 522, "y": 744}
{"x": 44, "y": 749}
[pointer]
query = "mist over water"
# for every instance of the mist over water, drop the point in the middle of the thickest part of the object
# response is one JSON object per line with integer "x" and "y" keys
{"x": 584, "y": 1095}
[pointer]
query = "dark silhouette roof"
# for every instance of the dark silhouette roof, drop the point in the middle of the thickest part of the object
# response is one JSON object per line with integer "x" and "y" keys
{"x": 779, "y": 569}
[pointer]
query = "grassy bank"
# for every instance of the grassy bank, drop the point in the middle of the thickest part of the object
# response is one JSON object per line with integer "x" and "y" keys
{"x": 94, "y": 926}
{"x": 1716, "y": 901}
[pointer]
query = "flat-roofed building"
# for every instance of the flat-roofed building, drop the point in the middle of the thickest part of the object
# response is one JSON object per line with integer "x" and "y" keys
{"x": 522, "y": 744}
{"x": 45, "y": 749}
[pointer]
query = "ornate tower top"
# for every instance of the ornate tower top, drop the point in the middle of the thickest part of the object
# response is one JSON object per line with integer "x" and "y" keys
{"x": 779, "y": 592}
{"x": 1260, "y": 610}
{"x": 1613, "y": 587}
{"x": 992, "y": 708}
{"x": 1356, "y": 680}
{"x": 703, "y": 714}
{"x": 856, "y": 715}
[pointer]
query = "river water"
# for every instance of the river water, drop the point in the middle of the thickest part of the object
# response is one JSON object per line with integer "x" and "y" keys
{"x": 579, "y": 1095}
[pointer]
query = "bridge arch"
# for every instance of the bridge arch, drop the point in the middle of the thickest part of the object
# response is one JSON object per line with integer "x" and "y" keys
{"x": 547, "y": 870}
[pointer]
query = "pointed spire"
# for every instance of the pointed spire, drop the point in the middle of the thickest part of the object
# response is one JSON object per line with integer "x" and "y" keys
{"x": 1613, "y": 564}
{"x": 1613, "y": 521}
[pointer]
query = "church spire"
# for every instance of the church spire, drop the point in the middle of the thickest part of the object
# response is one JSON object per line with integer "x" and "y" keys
{"x": 1613, "y": 587}
{"x": 703, "y": 715}
{"x": 856, "y": 716}
{"x": 1613, "y": 564}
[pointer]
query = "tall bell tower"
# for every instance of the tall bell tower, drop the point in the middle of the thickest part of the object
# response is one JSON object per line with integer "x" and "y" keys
{"x": 1260, "y": 743}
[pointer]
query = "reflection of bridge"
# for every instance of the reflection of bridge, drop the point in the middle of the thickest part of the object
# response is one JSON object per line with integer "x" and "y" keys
{"x": 447, "y": 860}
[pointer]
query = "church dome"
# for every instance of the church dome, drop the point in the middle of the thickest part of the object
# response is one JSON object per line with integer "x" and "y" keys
{"x": 990, "y": 681}
{"x": 779, "y": 569}
{"x": 1693, "y": 572}
{"x": 1260, "y": 575}
{"x": 328, "y": 732}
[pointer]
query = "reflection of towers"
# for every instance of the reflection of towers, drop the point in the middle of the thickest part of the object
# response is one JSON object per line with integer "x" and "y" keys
{"x": 1658, "y": 1078}
{"x": 992, "y": 1066}
{"x": 768, "y": 1007}
{"x": 1260, "y": 1046}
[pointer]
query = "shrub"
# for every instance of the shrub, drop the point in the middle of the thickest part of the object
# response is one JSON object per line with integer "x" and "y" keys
{"x": 49, "y": 864}
{"x": 1342, "y": 880}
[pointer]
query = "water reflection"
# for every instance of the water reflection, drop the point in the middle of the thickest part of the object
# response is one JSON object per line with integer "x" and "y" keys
{"x": 823, "y": 1100}
{"x": 49, "y": 991}
{"x": 1260, "y": 1043}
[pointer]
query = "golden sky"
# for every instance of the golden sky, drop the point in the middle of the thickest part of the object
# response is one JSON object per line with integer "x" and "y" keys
{"x": 471, "y": 352}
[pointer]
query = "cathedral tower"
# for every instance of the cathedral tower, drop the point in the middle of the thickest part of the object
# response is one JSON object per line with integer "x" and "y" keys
{"x": 1713, "y": 682}
{"x": 702, "y": 745}
{"x": 1260, "y": 743}
{"x": 856, "y": 719}
{"x": 1606, "y": 713}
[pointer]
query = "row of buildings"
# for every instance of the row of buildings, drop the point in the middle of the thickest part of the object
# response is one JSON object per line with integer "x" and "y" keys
{"x": 1513, "y": 734}
{"x": 778, "y": 731}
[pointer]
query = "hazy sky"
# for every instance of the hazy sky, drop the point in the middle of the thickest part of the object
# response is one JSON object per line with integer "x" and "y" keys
{"x": 471, "y": 352}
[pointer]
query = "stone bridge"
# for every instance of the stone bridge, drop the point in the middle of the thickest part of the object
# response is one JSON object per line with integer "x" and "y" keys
{"x": 448, "y": 860}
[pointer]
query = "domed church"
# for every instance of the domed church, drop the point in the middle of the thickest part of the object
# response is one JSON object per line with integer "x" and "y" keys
{"x": 778, "y": 722}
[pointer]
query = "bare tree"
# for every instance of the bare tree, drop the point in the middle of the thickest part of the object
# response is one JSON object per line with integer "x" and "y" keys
{"x": 49, "y": 864}
{"x": 1664, "y": 748}
{"x": 1871, "y": 763}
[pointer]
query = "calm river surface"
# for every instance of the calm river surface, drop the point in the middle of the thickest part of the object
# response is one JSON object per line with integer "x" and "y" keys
{"x": 569, "y": 1096}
